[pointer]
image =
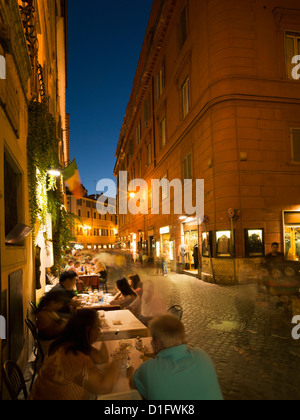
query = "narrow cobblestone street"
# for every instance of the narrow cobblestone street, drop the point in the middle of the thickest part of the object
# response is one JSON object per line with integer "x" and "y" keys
{"x": 249, "y": 341}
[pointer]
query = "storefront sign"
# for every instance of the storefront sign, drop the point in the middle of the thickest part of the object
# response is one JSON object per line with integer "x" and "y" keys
{"x": 164, "y": 230}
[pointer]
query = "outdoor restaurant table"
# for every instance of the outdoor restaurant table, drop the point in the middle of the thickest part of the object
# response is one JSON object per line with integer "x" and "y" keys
{"x": 99, "y": 306}
{"x": 129, "y": 327}
{"x": 122, "y": 390}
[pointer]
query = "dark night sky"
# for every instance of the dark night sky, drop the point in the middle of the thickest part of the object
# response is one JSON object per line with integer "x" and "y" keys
{"x": 105, "y": 41}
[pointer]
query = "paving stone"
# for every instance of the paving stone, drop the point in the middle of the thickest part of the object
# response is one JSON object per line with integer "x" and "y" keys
{"x": 249, "y": 340}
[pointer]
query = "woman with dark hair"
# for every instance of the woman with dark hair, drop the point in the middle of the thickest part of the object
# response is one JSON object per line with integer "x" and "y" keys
{"x": 136, "y": 284}
{"x": 49, "y": 323}
{"x": 126, "y": 295}
{"x": 69, "y": 372}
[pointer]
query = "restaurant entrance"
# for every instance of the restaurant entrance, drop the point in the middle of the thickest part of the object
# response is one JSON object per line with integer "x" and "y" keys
{"x": 166, "y": 244}
{"x": 292, "y": 235}
{"x": 190, "y": 239}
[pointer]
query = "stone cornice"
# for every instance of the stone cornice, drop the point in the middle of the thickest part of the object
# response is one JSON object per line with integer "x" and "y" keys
{"x": 145, "y": 77}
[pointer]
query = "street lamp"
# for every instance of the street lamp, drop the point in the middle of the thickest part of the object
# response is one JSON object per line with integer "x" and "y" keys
{"x": 54, "y": 172}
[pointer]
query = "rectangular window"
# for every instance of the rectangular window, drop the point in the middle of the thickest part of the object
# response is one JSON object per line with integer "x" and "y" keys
{"x": 295, "y": 138}
{"x": 187, "y": 167}
{"x": 150, "y": 198}
{"x": 162, "y": 133}
{"x": 149, "y": 154}
{"x": 183, "y": 28}
{"x": 160, "y": 82}
{"x": 292, "y": 48}
{"x": 138, "y": 133}
{"x": 224, "y": 244}
{"x": 185, "y": 98}
{"x": 165, "y": 189}
{"x": 12, "y": 194}
{"x": 254, "y": 242}
{"x": 147, "y": 115}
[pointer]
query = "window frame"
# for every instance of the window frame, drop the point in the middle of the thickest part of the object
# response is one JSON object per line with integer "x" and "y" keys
{"x": 288, "y": 65}
{"x": 292, "y": 145}
{"x": 185, "y": 97}
{"x": 183, "y": 24}
{"x": 162, "y": 133}
{"x": 184, "y": 160}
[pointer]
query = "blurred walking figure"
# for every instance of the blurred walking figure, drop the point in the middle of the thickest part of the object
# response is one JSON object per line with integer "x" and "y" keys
{"x": 274, "y": 256}
{"x": 152, "y": 304}
{"x": 159, "y": 267}
{"x": 164, "y": 265}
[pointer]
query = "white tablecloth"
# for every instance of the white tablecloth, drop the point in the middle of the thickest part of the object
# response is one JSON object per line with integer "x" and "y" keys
{"x": 122, "y": 325}
{"x": 122, "y": 390}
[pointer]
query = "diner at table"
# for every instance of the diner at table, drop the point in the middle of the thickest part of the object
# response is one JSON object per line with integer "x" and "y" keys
{"x": 126, "y": 295}
{"x": 177, "y": 373}
{"x": 50, "y": 324}
{"x": 67, "y": 286}
{"x": 70, "y": 372}
{"x": 106, "y": 351}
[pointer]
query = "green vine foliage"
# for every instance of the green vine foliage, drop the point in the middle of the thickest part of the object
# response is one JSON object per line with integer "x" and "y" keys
{"x": 63, "y": 224}
{"x": 42, "y": 154}
{"x": 45, "y": 192}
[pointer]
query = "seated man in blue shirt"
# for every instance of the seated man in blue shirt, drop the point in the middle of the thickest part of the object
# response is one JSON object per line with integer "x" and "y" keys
{"x": 177, "y": 372}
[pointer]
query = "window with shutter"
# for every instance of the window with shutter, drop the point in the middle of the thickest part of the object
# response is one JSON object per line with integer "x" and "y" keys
{"x": 292, "y": 48}
{"x": 187, "y": 167}
{"x": 185, "y": 98}
{"x": 149, "y": 154}
{"x": 183, "y": 28}
{"x": 160, "y": 82}
{"x": 162, "y": 133}
{"x": 296, "y": 145}
{"x": 12, "y": 194}
{"x": 147, "y": 112}
{"x": 138, "y": 133}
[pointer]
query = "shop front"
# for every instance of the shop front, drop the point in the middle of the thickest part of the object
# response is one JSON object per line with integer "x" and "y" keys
{"x": 133, "y": 246}
{"x": 166, "y": 244}
{"x": 189, "y": 249}
{"x": 291, "y": 220}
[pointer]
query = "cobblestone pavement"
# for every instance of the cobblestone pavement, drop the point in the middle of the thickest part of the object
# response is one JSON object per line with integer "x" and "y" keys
{"x": 249, "y": 341}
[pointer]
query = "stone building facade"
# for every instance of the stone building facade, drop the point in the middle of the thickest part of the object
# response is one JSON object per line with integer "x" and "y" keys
{"x": 92, "y": 229}
{"x": 216, "y": 97}
{"x": 33, "y": 45}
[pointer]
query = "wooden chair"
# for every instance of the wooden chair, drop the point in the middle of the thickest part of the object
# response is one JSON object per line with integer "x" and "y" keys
{"x": 176, "y": 311}
{"x": 103, "y": 280}
{"x": 14, "y": 380}
{"x": 33, "y": 307}
{"x": 37, "y": 351}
